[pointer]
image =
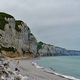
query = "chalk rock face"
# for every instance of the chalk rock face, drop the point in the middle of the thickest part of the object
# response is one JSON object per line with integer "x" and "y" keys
{"x": 46, "y": 49}
{"x": 51, "y": 50}
{"x": 16, "y": 35}
{"x": 25, "y": 40}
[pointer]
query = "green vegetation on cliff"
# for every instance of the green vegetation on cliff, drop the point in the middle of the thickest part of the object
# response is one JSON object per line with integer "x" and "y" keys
{"x": 2, "y": 19}
{"x": 8, "y": 49}
{"x": 3, "y": 15}
{"x": 39, "y": 45}
{"x": 18, "y": 22}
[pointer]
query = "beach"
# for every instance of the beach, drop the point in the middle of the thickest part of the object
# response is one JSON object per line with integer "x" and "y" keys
{"x": 33, "y": 72}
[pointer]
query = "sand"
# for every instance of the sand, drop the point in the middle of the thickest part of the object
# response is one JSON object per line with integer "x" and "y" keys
{"x": 27, "y": 69}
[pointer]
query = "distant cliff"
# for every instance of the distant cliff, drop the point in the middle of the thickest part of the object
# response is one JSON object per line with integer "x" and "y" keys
{"x": 51, "y": 50}
{"x": 16, "y": 39}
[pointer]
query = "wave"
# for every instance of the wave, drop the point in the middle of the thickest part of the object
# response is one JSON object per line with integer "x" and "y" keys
{"x": 61, "y": 75}
{"x": 36, "y": 65}
{"x": 51, "y": 71}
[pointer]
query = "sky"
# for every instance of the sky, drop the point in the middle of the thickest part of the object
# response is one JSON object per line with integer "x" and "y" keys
{"x": 54, "y": 22}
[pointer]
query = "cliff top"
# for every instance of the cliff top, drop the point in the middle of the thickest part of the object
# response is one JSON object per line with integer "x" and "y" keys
{"x": 2, "y": 19}
{"x": 3, "y": 15}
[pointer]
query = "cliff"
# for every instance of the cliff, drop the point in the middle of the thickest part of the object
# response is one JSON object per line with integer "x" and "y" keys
{"x": 51, "y": 50}
{"x": 16, "y": 39}
{"x": 15, "y": 36}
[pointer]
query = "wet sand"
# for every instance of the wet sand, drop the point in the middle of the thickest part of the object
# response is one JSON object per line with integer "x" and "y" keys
{"x": 27, "y": 69}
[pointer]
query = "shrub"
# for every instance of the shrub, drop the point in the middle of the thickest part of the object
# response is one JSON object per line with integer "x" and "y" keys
{"x": 39, "y": 45}
{"x": 18, "y": 22}
{"x": 8, "y": 49}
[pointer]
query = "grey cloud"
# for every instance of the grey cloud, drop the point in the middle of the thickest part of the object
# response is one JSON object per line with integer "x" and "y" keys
{"x": 52, "y": 21}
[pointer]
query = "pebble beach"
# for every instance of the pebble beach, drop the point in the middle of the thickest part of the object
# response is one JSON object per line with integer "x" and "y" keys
{"x": 30, "y": 71}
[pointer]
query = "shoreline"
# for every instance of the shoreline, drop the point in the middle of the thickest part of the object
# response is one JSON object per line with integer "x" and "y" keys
{"x": 35, "y": 73}
{"x": 50, "y": 71}
{"x": 30, "y": 69}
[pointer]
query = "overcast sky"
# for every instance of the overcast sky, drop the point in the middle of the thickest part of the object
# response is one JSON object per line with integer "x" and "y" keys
{"x": 52, "y": 21}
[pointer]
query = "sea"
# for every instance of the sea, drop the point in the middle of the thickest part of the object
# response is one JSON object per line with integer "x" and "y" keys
{"x": 67, "y": 66}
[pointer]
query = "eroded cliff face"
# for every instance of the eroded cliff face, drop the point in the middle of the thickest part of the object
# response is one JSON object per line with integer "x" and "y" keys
{"x": 16, "y": 36}
{"x": 45, "y": 49}
{"x": 51, "y": 50}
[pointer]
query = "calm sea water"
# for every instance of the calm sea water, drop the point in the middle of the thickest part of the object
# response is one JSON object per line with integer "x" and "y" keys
{"x": 67, "y": 65}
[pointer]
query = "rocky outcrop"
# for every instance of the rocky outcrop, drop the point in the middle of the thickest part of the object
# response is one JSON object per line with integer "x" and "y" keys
{"x": 51, "y": 50}
{"x": 16, "y": 36}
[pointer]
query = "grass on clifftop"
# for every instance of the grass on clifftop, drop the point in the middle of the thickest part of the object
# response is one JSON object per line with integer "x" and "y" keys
{"x": 3, "y": 15}
{"x": 2, "y": 19}
{"x": 18, "y": 22}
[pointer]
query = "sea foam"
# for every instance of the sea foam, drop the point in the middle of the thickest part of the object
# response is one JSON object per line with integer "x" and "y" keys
{"x": 53, "y": 72}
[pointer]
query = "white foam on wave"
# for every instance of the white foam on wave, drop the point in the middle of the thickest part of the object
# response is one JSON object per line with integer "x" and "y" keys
{"x": 36, "y": 65}
{"x": 53, "y": 72}
{"x": 61, "y": 75}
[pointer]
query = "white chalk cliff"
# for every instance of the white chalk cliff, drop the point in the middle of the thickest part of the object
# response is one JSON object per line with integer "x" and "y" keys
{"x": 15, "y": 35}
{"x": 51, "y": 50}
